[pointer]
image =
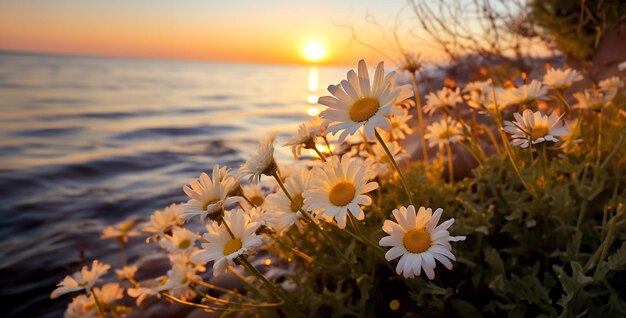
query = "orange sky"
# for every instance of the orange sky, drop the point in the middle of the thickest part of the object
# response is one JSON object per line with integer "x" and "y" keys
{"x": 273, "y": 31}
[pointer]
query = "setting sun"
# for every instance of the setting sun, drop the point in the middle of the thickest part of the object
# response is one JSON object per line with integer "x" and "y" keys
{"x": 314, "y": 51}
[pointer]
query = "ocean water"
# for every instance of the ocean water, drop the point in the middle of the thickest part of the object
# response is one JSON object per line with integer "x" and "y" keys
{"x": 87, "y": 142}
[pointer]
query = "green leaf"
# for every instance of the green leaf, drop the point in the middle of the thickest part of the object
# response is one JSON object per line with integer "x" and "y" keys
{"x": 617, "y": 261}
{"x": 464, "y": 308}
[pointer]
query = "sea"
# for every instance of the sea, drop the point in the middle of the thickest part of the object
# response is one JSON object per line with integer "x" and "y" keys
{"x": 86, "y": 142}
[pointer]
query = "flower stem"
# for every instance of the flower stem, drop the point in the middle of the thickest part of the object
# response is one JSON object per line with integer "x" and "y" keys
{"x": 544, "y": 161}
{"x": 511, "y": 155}
{"x": 361, "y": 236}
{"x": 563, "y": 100}
{"x": 476, "y": 150}
{"x": 319, "y": 153}
{"x": 220, "y": 301}
{"x": 420, "y": 116}
{"x": 327, "y": 145}
{"x": 310, "y": 219}
{"x": 98, "y": 304}
{"x": 599, "y": 143}
{"x": 304, "y": 256}
{"x": 228, "y": 228}
{"x": 279, "y": 293}
{"x": 184, "y": 302}
{"x": 493, "y": 139}
{"x": 122, "y": 253}
{"x": 395, "y": 166}
{"x": 450, "y": 163}
{"x": 579, "y": 222}
{"x": 605, "y": 245}
{"x": 248, "y": 200}
{"x": 243, "y": 279}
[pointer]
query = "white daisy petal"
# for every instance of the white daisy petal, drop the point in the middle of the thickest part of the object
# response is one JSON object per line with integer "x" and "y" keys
{"x": 418, "y": 241}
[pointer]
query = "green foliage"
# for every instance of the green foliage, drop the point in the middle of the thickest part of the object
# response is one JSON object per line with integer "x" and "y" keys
{"x": 576, "y": 26}
{"x": 555, "y": 251}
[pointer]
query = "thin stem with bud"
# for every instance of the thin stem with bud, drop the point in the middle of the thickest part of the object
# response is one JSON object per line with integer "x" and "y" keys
{"x": 395, "y": 166}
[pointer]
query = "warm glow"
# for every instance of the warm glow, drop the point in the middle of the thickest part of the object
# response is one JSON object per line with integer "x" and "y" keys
{"x": 313, "y": 111}
{"x": 314, "y": 51}
{"x": 322, "y": 149}
{"x": 314, "y": 79}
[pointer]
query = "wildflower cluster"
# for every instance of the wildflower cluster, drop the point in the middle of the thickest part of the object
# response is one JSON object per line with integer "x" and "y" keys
{"x": 356, "y": 224}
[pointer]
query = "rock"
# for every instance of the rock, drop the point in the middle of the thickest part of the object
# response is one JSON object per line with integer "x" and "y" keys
{"x": 611, "y": 52}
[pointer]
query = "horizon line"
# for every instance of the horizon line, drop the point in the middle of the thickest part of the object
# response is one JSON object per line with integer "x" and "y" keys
{"x": 4, "y": 51}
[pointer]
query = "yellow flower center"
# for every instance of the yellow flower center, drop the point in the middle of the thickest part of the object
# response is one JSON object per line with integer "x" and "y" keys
{"x": 127, "y": 226}
{"x": 364, "y": 108}
{"x": 342, "y": 193}
{"x": 538, "y": 132}
{"x": 416, "y": 241}
{"x": 206, "y": 204}
{"x": 446, "y": 134}
{"x": 299, "y": 200}
{"x": 257, "y": 200}
{"x": 232, "y": 246}
{"x": 184, "y": 244}
{"x": 184, "y": 280}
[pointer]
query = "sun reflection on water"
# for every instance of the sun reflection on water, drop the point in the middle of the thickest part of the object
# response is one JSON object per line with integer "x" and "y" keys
{"x": 314, "y": 86}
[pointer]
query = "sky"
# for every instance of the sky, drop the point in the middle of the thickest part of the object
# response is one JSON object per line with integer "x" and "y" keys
{"x": 270, "y": 31}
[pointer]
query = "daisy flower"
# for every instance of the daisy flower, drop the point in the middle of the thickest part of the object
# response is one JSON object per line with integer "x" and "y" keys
{"x": 595, "y": 99}
{"x": 411, "y": 62}
{"x": 399, "y": 126}
{"x": 121, "y": 231}
{"x": 185, "y": 258}
{"x": 611, "y": 83}
{"x": 417, "y": 238}
{"x": 228, "y": 176}
{"x": 126, "y": 273}
{"x": 561, "y": 79}
{"x": 317, "y": 124}
{"x": 443, "y": 99}
{"x": 572, "y": 136}
{"x": 178, "y": 279}
{"x": 405, "y": 104}
{"x": 141, "y": 292}
{"x": 534, "y": 128}
{"x": 222, "y": 248}
{"x": 208, "y": 196}
{"x": 355, "y": 103}
{"x": 254, "y": 193}
{"x": 286, "y": 171}
{"x": 280, "y": 209}
{"x": 260, "y": 217}
{"x": 443, "y": 132}
{"x": 181, "y": 240}
{"x": 304, "y": 138}
{"x": 379, "y": 159}
{"x": 338, "y": 186}
{"x": 482, "y": 95}
{"x": 82, "y": 306}
{"x": 83, "y": 280}
{"x": 525, "y": 94}
{"x": 163, "y": 221}
{"x": 108, "y": 293}
{"x": 261, "y": 163}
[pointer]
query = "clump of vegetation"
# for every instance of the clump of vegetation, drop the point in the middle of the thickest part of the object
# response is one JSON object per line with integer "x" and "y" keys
{"x": 576, "y": 27}
{"x": 535, "y": 229}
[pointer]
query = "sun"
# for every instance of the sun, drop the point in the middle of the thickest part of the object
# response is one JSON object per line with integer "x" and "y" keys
{"x": 314, "y": 51}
